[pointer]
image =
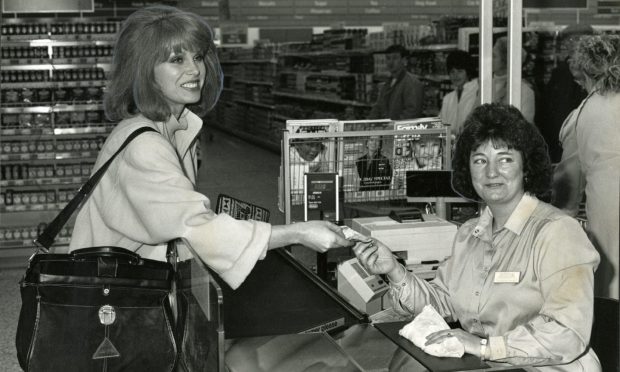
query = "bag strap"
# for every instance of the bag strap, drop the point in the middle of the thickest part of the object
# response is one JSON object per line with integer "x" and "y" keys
{"x": 47, "y": 237}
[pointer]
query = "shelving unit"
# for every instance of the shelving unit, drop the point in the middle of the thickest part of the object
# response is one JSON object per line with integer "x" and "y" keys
{"x": 246, "y": 106}
{"x": 51, "y": 121}
{"x": 268, "y": 85}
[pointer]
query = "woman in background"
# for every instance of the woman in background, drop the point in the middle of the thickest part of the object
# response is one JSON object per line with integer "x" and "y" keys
{"x": 457, "y": 104}
{"x": 591, "y": 158}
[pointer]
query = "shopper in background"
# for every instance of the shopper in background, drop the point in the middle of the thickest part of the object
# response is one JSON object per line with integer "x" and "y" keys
{"x": 564, "y": 91}
{"x": 457, "y": 104}
{"x": 373, "y": 167}
{"x": 402, "y": 96}
{"x": 521, "y": 275}
{"x": 591, "y": 157}
{"x": 165, "y": 74}
{"x": 500, "y": 80}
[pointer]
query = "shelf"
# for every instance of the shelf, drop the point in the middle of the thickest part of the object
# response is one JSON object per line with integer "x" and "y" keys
{"x": 37, "y": 40}
{"x": 54, "y": 84}
{"x": 254, "y": 82}
{"x": 330, "y": 73}
{"x": 15, "y": 63}
{"x": 54, "y": 66}
{"x": 310, "y": 97}
{"x": 74, "y": 180}
{"x": 52, "y": 108}
{"x": 82, "y": 155}
{"x": 237, "y": 61}
{"x": 257, "y": 104}
{"x": 318, "y": 53}
{"x": 91, "y": 128}
{"x": 32, "y": 207}
{"x": 28, "y": 243}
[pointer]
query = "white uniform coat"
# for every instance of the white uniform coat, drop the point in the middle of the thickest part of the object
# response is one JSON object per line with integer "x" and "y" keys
{"x": 454, "y": 111}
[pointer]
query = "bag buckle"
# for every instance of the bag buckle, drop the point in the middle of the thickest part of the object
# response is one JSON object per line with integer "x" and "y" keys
{"x": 107, "y": 314}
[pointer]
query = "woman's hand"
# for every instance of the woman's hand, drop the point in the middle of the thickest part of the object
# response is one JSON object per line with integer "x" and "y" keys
{"x": 320, "y": 235}
{"x": 375, "y": 257}
{"x": 469, "y": 341}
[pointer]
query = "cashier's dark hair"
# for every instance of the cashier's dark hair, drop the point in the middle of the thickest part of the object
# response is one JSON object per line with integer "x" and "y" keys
{"x": 504, "y": 125}
{"x": 148, "y": 37}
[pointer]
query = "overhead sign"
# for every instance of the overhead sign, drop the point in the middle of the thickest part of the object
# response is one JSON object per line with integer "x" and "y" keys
{"x": 56, "y": 6}
{"x": 556, "y": 4}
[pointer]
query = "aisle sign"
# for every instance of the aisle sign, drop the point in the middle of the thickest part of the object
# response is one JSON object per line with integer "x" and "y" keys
{"x": 234, "y": 33}
{"x": 556, "y": 4}
{"x": 38, "y": 6}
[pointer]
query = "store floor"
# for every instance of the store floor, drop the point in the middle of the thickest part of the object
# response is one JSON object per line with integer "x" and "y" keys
{"x": 230, "y": 166}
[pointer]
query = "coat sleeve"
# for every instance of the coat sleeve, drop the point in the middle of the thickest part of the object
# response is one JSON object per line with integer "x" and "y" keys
{"x": 413, "y": 99}
{"x": 410, "y": 295}
{"x": 158, "y": 195}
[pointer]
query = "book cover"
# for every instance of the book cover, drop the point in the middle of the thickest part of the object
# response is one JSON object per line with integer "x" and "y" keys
{"x": 310, "y": 155}
{"x": 415, "y": 151}
{"x": 364, "y": 161}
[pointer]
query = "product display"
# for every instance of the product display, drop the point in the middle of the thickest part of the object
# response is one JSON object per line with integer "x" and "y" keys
{"x": 51, "y": 121}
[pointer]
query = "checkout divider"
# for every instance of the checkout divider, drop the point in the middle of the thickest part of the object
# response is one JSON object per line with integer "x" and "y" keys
{"x": 285, "y": 318}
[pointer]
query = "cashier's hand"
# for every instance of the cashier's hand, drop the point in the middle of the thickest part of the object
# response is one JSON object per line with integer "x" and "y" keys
{"x": 469, "y": 341}
{"x": 320, "y": 235}
{"x": 375, "y": 257}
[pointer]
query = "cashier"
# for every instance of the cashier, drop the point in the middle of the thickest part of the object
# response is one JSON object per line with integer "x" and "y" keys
{"x": 520, "y": 277}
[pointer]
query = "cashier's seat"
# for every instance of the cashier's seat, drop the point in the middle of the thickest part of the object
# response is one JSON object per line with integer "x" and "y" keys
{"x": 604, "y": 338}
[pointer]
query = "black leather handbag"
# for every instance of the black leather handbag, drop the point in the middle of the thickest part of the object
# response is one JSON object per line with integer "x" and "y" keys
{"x": 95, "y": 309}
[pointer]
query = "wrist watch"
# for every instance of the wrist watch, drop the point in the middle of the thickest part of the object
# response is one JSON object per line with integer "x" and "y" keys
{"x": 483, "y": 348}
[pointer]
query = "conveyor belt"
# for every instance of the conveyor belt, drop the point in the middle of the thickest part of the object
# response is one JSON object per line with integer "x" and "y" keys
{"x": 281, "y": 296}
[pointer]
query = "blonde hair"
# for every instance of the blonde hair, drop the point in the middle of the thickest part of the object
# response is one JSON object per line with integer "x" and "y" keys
{"x": 598, "y": 57}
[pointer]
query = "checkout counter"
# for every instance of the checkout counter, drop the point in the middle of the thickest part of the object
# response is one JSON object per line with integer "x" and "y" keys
{"x": 284, "y": 318}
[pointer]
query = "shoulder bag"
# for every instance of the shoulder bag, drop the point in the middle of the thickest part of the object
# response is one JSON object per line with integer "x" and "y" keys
{"x": 97, "y": 308}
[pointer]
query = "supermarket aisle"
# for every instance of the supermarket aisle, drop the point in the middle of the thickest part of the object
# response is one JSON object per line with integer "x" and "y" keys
{"x": 239, "y": 169}
{"x": 230, "y": 165}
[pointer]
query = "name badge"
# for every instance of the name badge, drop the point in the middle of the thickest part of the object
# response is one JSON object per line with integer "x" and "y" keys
{"x": 507, "y": 277}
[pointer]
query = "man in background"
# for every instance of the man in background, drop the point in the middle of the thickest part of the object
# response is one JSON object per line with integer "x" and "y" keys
{"x": 402, "y": 96}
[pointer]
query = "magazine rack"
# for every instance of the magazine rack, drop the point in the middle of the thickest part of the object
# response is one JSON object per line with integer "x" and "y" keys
{"x": 369, "y": 185}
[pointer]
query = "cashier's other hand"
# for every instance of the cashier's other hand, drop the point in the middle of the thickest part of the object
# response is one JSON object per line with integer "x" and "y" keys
{"x": 469, "y": 341}
{"x": 321, "y": 236}
{"x": 375, "y": 257}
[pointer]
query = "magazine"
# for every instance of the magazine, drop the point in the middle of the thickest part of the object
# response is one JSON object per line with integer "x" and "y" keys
{"x": 415, "y": 151}
{"x": 365, "y": 177}
{"x": 310, "y": 155}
